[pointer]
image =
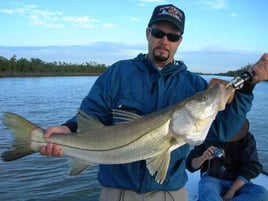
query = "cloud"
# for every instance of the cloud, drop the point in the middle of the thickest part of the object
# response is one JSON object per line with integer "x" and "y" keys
{"x": 7, "y": 11}
{"x": 152, "y": 1}
{"x": 82, "y": 21}
{"x": 213, "y": 4}
{"x": 143, "y": 3}
{"x": 134, "y": 19}
{"x": 20, "y": 11}
{"x": 213, "y": 61}
{"x": 109, "y": 25}
{"x": 37, "y": 21}
{"x": 100, "y": 52}
{"x": 50, "y": 19}
{"x": 233, "y": 14}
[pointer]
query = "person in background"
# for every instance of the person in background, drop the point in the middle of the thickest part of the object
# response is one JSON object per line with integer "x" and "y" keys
{"x": 146, "y": 84}
{"x": 227, "y": 168}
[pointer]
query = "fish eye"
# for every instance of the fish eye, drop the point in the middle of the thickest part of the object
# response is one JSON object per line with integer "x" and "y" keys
{"x": 205, "y": 97}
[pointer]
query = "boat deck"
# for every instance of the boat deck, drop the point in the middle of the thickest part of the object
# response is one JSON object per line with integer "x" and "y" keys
{"x": 192, "y": 184}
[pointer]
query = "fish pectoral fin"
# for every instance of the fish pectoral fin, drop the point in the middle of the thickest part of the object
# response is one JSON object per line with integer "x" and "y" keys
{"x": 77, "y": 166}
{"x": 86, "y": 122}
{"x": 158, "y": 166}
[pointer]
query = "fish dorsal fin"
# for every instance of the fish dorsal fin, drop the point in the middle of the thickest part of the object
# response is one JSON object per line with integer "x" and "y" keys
{"x": 158, "y": 165}
{"x": 122, "y": 116}
{"x": 85, "y": 122}
{"x": 77, "y": 166}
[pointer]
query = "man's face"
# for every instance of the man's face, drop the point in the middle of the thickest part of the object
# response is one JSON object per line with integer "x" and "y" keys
{"x": 162, "y": 48}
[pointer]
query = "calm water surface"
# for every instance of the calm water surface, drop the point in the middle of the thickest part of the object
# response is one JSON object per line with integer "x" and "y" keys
{"x": 50, "y": 101}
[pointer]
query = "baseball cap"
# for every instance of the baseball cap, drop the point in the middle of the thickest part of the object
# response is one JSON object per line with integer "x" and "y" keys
{"x": 168, "y": 13}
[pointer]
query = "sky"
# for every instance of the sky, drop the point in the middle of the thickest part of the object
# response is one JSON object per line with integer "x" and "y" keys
{"x": 220, "y": 35}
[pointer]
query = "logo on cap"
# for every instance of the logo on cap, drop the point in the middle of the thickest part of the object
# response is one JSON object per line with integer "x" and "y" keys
{"x": 172, "y": 11}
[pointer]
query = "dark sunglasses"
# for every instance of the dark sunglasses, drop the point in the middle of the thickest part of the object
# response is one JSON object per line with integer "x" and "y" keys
{"x": 157, "y": 33}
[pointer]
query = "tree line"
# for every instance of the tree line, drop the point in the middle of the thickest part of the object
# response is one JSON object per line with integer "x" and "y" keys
{"x": 14, "y": 67}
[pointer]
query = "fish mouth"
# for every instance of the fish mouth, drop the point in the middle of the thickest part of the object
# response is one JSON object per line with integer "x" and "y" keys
{"x": 223, "y": 96}
{"x": 227, "y": 92}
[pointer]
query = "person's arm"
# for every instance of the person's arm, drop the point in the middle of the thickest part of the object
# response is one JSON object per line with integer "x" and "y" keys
{"x": 250, "y": 166}
{"x": 238, "y": 183}
{"x": 229, "y": 121}
{"x": 249, "y": 160}
{"x": 207, "y": 155}
{"x": 198, "y": 156}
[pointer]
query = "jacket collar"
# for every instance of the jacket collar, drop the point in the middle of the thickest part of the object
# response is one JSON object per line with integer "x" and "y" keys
{"x": 148, "y": 65}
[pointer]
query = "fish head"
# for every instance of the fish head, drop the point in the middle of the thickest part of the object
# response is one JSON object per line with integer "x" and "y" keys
{"x": 207, "y": 103}
{"x": 193, "y": 118}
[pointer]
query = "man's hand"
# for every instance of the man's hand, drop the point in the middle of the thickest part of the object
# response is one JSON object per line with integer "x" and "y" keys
{"x": 238, "y": 184}
{"x": 260, "y": 69}
{"x": 228, "y": 195}
{"x": 53, "y": 149}
{"x": 207, "y": 155}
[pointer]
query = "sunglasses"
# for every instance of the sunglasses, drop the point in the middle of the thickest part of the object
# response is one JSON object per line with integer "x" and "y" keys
{"x": 157, "y": 33}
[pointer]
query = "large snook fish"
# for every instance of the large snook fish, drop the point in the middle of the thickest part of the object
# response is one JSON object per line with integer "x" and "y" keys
{"x": 151, "y": 138}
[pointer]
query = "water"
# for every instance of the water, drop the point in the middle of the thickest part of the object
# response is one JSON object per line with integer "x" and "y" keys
{"x": 50, "y": 101}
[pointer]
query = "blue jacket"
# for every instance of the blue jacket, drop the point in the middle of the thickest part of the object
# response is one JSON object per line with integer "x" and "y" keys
{"x": 137, "y": 85}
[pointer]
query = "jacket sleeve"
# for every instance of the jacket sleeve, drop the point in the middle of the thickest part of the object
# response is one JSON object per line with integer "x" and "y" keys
{"x": 229, "y": 121}
{"x": 194, "y": 153}
{"x": 250, "y": 165}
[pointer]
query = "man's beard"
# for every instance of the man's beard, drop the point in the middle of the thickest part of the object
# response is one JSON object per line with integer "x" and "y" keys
{"x": 160, "y": 57}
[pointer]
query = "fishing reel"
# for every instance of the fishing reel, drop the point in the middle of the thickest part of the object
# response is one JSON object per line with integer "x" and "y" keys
{"x": 238, "y": 82}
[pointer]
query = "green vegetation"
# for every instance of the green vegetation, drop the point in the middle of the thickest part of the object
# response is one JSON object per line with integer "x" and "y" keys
{"x": 236, "y": 72}
{"x": 231, "y": 73}
{"x": 22, "y": 67}
{"x": 14, "y": 67}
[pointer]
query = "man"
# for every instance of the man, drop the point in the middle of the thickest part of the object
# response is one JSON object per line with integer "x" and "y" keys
{"x": 149, "y": 83}
{"x": 227, "y": 168}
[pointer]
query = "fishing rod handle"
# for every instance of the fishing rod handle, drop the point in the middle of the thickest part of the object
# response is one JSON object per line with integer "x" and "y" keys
{"x": 239, "y": 81}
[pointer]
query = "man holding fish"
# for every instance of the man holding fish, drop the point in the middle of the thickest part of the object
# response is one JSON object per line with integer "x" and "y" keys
{"x": 150, "y": 83}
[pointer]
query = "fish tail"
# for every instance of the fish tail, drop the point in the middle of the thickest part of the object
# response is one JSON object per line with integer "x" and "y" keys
{"x": 21, "y": 130}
